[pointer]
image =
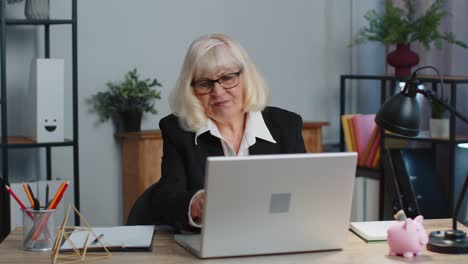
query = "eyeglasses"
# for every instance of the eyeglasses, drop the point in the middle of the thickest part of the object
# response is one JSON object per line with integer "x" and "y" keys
{"x": 227, "y": 81}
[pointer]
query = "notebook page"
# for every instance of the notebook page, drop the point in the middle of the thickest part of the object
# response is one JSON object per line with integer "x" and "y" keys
{"x": 118, "y": 236}
{"x": 372, "y": 230}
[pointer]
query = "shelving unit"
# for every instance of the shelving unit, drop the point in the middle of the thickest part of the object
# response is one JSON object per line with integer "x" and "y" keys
{"x": 388, "y": 87}
{"x": 23, "y": 142}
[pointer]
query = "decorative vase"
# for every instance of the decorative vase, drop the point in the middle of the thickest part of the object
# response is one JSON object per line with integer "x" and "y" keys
{"x": 131, "y": 121}
{"x": 403, "y": 58}
{"x": 439, "y": 127}
{"x": 36, "y": 9}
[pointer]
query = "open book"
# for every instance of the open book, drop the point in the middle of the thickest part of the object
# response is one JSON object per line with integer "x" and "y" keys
{"x": 118, "y": 238}
{"x": 371, "y": 231}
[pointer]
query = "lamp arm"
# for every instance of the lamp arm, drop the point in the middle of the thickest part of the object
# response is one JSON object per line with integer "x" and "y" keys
{"x": 431, "y": 96}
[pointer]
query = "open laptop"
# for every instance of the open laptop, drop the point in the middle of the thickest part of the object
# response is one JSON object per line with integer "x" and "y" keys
{"x": 267, "y": 204}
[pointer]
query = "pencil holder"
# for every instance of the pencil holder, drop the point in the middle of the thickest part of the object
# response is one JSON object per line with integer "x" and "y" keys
{"x": 38, "y": 229}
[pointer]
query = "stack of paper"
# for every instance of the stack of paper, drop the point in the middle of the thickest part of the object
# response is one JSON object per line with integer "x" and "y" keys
{"x": 372, "y": 231}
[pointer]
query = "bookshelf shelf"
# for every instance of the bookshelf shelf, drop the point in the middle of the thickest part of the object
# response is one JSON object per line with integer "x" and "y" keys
{"x": 369, "y": 173}
{"x": 15, "y": 141}
{"x": 390, "y": 189}
{"x": 26, "y": 22}
{"x": 25, "y": 142}
{"x": 425, "y": 136}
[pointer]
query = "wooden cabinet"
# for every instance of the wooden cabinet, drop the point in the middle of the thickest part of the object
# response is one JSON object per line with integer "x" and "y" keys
{"x": 312, "y": 134}
{"x": 142, "y": 153}
{"x": 141, "y": 164}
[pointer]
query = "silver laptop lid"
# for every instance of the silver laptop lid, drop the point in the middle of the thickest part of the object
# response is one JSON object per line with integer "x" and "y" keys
{"x": 266, "y": 204}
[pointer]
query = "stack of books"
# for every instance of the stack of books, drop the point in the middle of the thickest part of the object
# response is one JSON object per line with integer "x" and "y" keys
{"x": 362, "y": 135}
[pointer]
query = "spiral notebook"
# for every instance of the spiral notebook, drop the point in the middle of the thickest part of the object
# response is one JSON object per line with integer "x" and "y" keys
{"x": 118, "y": 238}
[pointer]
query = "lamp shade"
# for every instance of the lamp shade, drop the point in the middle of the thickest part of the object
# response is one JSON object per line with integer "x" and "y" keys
{"x": 400, "y": 115}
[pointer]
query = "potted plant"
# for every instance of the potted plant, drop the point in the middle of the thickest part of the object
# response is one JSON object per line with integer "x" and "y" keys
{"x": 34, "y": 9}
{"x": 126, "y": 101}
{"x": 439, "y": 126}
{"x": 401, "y": 28}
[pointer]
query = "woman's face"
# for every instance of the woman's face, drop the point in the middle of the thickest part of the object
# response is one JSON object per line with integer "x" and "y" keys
{"x": 222, "y": 104}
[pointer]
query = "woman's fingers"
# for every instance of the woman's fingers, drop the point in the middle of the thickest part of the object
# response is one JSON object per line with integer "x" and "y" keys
{"x": 198, "y": 203}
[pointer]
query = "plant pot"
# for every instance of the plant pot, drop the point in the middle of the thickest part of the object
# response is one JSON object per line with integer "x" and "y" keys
{"x": 131, "y": 120}
{"x": 36, "y": 9}
{"x": 403, "y": 58}
{"x": 439, "y": 128}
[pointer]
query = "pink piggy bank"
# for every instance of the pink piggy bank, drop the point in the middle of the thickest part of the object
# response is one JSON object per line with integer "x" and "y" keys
{"x": 407, "y": 238}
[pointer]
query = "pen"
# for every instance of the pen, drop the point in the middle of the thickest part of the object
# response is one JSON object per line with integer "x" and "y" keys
{"x": 31, "y": 193}
{"x": 47, "y": 195}
{"x": 46, "y": 206}
{"x": 37, "y": 204}
{"x": 97, "y": 239}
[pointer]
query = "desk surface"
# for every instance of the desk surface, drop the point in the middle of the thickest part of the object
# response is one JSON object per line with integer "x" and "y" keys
{"x": 167, "y": 251}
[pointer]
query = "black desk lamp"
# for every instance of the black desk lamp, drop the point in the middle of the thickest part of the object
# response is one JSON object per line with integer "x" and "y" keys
{"x": 400, "y": 115}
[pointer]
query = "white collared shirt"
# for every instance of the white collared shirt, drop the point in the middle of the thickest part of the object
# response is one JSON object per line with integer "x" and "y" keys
{"x": 255, "y": 127}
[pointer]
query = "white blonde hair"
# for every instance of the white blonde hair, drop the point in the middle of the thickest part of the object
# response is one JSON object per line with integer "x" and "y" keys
{"x": 207, "y": 55}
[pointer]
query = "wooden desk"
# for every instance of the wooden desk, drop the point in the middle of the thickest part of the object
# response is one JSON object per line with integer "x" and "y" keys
{"x": 167, "y": 251}
{"x": 142, "y": 152}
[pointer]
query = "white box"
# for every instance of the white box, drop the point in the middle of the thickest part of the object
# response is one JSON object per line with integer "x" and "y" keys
{"x": 44, "y": 113}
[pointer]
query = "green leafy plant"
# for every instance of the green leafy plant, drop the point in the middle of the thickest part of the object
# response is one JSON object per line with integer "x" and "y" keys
{"x": 437, "y": 109}
{"x": 398, "y": 26}
{"x": 131, "y": 95}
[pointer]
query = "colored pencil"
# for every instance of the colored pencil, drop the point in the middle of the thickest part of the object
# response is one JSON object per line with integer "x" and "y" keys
{"x": 28, "y": 194}
{"x": 62, "y": 185}
{"x": 60, "y": 196}
{"x": 21, "y": 204}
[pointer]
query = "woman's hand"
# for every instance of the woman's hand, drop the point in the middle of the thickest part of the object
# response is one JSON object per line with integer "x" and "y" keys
{"x": 197, "y": 207}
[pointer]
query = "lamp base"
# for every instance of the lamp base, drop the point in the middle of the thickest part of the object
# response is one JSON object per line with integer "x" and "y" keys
{"x": 448, "y": 242}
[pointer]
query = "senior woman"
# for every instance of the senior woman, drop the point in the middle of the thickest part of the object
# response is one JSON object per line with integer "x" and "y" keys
{"x": 219, "y": 108}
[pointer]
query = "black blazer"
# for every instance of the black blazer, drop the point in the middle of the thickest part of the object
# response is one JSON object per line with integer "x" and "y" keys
{"x": 183, "y": 162}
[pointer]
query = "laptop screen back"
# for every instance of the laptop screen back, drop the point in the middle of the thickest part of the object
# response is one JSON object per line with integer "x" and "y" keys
{"x": 277, "y": 203}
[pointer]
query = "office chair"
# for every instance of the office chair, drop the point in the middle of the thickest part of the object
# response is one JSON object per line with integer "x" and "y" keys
{"x": 141, "y": 212}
